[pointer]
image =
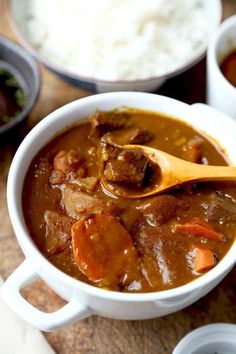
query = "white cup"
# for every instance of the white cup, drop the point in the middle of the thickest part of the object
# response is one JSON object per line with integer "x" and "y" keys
{"x": 221, "y": 94}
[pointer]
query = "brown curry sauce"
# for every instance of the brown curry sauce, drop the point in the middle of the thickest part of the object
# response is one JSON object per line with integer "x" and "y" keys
{"x": 228, "y": 68}
{"x": 144, "y": 245}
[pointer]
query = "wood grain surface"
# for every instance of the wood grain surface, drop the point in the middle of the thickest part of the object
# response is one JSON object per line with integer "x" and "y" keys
{"x": 97, "y": 335}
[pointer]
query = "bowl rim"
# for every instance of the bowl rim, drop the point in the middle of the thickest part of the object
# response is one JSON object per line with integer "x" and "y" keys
{"x": 216, "y": 39}
{"x": 31, "y": 62}
{"x": 30, "y": 249}
{"x": 59, "y": 69}
{"x": 210, "y": 335}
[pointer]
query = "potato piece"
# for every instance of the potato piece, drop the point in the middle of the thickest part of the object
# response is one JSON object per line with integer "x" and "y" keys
{"x": 77, "y": 203}
{"x": 88, "y": 184}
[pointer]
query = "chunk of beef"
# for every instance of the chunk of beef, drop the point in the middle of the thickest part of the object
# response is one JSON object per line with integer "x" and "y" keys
{"x": 156, "y": 265}
{"x": 123, "y": 165}
{"x": 130, "y": 216}
{"x": 130, "y": 135}
{"x": 65, "y": 162}
{"x": 58, "y": 231}
{"x": 78, "y": 203}
{"x": 192, "y": 150}
{"x": 221, "y": 209}
{"x": 161, "y": 209}
{"x": 103, "y": 122}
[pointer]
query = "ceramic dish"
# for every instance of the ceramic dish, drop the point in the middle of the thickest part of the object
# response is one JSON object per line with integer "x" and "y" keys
{"x": 24, "y": 68}
{"x": 18, "y": 17}
{"x": 217, "y": 338}
{"x": 83, "y": 299}
{"x": 221, "y": 94}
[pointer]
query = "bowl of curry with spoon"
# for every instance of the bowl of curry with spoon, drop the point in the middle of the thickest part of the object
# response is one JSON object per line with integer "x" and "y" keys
{"x": 119, "y": 257}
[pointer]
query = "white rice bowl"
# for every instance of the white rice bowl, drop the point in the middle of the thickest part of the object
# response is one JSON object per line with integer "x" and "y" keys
{"x": 115, "y": 40}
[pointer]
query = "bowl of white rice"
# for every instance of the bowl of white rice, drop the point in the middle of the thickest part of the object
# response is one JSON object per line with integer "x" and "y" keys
{"x": 111, "y": 45}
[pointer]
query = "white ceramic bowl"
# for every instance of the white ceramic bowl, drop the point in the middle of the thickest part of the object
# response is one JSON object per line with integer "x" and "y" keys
{"x": 84, "y": 299}
{"x": 18, "y": 16}
{"x": 221, "y": 94}
{"x": 213, "y": 338}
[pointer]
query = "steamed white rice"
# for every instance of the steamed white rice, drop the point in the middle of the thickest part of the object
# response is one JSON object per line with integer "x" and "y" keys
{"x": 118, "y": 39}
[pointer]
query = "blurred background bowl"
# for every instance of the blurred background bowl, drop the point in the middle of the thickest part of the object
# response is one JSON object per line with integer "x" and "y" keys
{"x": 21, "y": 65}
{"x": 18, "y": 16}
{"x": 221, "y": 94}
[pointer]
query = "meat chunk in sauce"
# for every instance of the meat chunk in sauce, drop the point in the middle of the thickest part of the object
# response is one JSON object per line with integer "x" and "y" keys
{"x": 123, "y": 165}
{"x": 161, "y": 209}
{"x": 192, "y": 150}
{"x": 104, "y": 256}
{"x": 65, "y": 162}
{"x": 130, "y": 135}
{"x": 156, "y": 266}
{"x": 103, "y": 122}
{"x": 58, "y": 231}
{"x": 221, "y": 209}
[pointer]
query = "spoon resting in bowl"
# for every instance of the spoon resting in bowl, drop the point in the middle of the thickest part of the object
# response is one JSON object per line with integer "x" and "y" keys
{"x": 167, "y": 172}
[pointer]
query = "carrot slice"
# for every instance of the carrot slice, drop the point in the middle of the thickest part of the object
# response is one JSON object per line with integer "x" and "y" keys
{"x": 103, "y": 249}
{"x": 200, "y": 228}
{"x": 204, "y": 259}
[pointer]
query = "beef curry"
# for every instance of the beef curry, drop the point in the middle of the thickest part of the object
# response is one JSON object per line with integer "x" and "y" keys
{"x": 141, "y": 245}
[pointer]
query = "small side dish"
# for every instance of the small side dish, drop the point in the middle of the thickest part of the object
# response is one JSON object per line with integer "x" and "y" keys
{"x": 221, "y": 72}
{"x": 126, "y": 245}
{"x": 12, "y": 98}
{"x": 19, "y": 85}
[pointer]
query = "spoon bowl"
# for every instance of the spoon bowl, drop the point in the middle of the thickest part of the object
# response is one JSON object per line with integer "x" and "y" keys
{"x": 171, "y": 172}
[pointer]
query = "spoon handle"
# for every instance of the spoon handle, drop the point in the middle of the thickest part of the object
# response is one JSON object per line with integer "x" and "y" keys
{"x": 207, "y": 173}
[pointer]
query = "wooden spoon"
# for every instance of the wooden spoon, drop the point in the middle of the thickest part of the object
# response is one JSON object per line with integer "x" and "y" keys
{"x": 172, "y": 172}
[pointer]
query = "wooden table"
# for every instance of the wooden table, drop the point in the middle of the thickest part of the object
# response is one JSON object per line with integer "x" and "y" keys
{"x": 95, "y": 334}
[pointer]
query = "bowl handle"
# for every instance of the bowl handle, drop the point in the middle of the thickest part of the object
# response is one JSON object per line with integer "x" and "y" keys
{"x": 10, "y": 293}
